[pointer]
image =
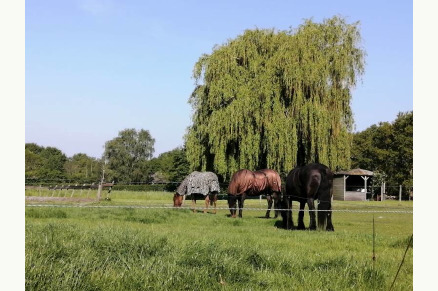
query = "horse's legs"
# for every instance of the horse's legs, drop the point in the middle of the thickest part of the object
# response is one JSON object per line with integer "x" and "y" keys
{"x": 301, "y": 216}
{"x": 241, "y": 202}
{"x": 193, "y": 203}
{"x": 276, "y": 198}
{"x": 269, "y": 199}
{"x": 232, "y": 204}
{"x": 329, "y": 221}
{"x": 207, "y": 201}
{"x": 287, "y": 214}
{"x": 214, "y": 202}
{"x": 311, "y": 204}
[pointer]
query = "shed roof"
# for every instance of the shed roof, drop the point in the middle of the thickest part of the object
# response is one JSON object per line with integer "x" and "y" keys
{"x": 356, "y": 172}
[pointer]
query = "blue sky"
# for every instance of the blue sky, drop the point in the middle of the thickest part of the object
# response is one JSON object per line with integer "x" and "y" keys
{"x": 95, "y": 67}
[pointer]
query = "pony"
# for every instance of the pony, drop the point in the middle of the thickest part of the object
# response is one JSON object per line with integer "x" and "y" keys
{"x": 199, "y": 185}
{"x": 305, "y": 184}
{"x": 248, "y": 183}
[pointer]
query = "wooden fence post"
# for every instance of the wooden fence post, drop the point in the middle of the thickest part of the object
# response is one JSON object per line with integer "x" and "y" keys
{"x": 99, "y": 191}
{"x": 400, "y": 193}
{"x": 381, "y": 192}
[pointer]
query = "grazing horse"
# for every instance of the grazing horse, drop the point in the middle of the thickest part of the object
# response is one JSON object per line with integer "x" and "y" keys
{"x": 204, "y": 185}
{"x": 241, "y": 184}
{"x": 248, "y": 183}
{"x": 305, "y": 184}
{"x": 273, "y": 190}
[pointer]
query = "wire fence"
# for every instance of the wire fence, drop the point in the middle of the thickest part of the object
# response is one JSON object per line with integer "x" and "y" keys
{"x": 91, "y": 190}
{"x": 216, "y": 208}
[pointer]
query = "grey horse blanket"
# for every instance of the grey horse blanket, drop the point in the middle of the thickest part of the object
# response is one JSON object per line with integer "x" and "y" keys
{"x": 199, "y": 183}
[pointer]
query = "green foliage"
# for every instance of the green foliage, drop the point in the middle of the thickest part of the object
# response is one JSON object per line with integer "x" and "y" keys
{"x": 126, "y": 156}
{"x": 172, "y": 166}
{"x": 387, "y": 148}
{"x": 33, "y": 165}
{"x": 44, "y": 162}
{"x": 276, "y": 99}
{"x": 50, "y": 167}
{"x": 82, "y": 168}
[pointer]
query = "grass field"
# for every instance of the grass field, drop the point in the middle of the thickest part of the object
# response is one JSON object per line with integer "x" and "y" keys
{"x": 127, "y": 248}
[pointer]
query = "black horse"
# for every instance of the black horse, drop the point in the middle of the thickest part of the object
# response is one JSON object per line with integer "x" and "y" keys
{"x": 305, "y": 184}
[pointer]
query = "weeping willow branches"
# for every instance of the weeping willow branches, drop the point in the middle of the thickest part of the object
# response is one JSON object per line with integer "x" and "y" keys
{"x": 276, "y": 99}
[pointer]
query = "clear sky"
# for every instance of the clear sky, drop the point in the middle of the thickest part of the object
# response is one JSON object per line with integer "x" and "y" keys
{"x": 96, "y": 67}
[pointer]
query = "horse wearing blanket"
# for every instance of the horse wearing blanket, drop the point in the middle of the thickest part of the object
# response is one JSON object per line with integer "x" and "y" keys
{"x": 199, "y": 185}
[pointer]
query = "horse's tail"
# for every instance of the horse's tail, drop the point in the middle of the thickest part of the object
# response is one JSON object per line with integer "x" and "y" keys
{"x": 323, "y": 215}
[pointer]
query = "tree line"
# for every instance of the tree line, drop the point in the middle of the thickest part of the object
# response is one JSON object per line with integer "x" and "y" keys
{"x": 385, "y": 148}
{"x": 127, "y": 159}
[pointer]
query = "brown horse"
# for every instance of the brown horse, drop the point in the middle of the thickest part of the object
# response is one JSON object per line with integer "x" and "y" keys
{"x": 199, "y": 185}
{"x": 247, "y": 183}
{"x": 273, "y": 190}
{"x": 241, "y": 184}
{"x": 305, "y": 184}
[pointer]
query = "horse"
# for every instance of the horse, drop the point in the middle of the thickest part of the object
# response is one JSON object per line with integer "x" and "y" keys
{"x": 199, "y": 185}
{"x": 273, "y": 190}
{"x": 305, "y": 184}
{"x": 248, "y": 183}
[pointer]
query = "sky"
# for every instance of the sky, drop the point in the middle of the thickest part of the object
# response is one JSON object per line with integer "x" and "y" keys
{"x": 96, "y": 67}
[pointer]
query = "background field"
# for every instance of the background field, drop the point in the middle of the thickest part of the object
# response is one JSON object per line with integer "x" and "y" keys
{"x": 128, "y": 248}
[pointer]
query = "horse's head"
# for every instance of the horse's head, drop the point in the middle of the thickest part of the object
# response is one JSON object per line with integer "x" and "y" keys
{"x": 177, "y": 200}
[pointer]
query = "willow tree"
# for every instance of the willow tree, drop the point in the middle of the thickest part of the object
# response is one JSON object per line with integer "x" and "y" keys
{"x": 276, "y": 99}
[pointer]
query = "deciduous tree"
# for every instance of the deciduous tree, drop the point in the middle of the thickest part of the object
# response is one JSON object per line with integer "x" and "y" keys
{"x": 82, "y": 168}
{"x": 44, "y": 162}
{"x": 387, "y": 148}
{"x": 126, "y": 156}
{"x": 276, "y": 99}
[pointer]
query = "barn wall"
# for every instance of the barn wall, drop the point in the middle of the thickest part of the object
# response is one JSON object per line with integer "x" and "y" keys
{"x": 338, "y": 188}
{"x": 355, "y": 196}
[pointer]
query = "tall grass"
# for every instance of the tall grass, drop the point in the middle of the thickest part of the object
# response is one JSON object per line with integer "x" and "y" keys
{"x": 165, "y": 249}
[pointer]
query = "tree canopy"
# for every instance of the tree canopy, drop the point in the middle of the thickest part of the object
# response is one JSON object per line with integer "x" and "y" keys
{"x": 44, "y": 162}
{"x": 387, "y": 148}
{"x": 82, "y": 168}
{"x": 171, "y": 166}
{"x": 50, "y": 165}
{"x": 276, "y": 99}
{"x": 127, "y": 154}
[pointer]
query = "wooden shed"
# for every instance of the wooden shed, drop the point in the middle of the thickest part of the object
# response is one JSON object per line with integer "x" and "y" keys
{"x": 351, "y": 185}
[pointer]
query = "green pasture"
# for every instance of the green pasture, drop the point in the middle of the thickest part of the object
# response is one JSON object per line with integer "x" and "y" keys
{"x": 128, "y": 248}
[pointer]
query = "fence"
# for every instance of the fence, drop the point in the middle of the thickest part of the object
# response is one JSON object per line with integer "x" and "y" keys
{"x": 373, "y": 192}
